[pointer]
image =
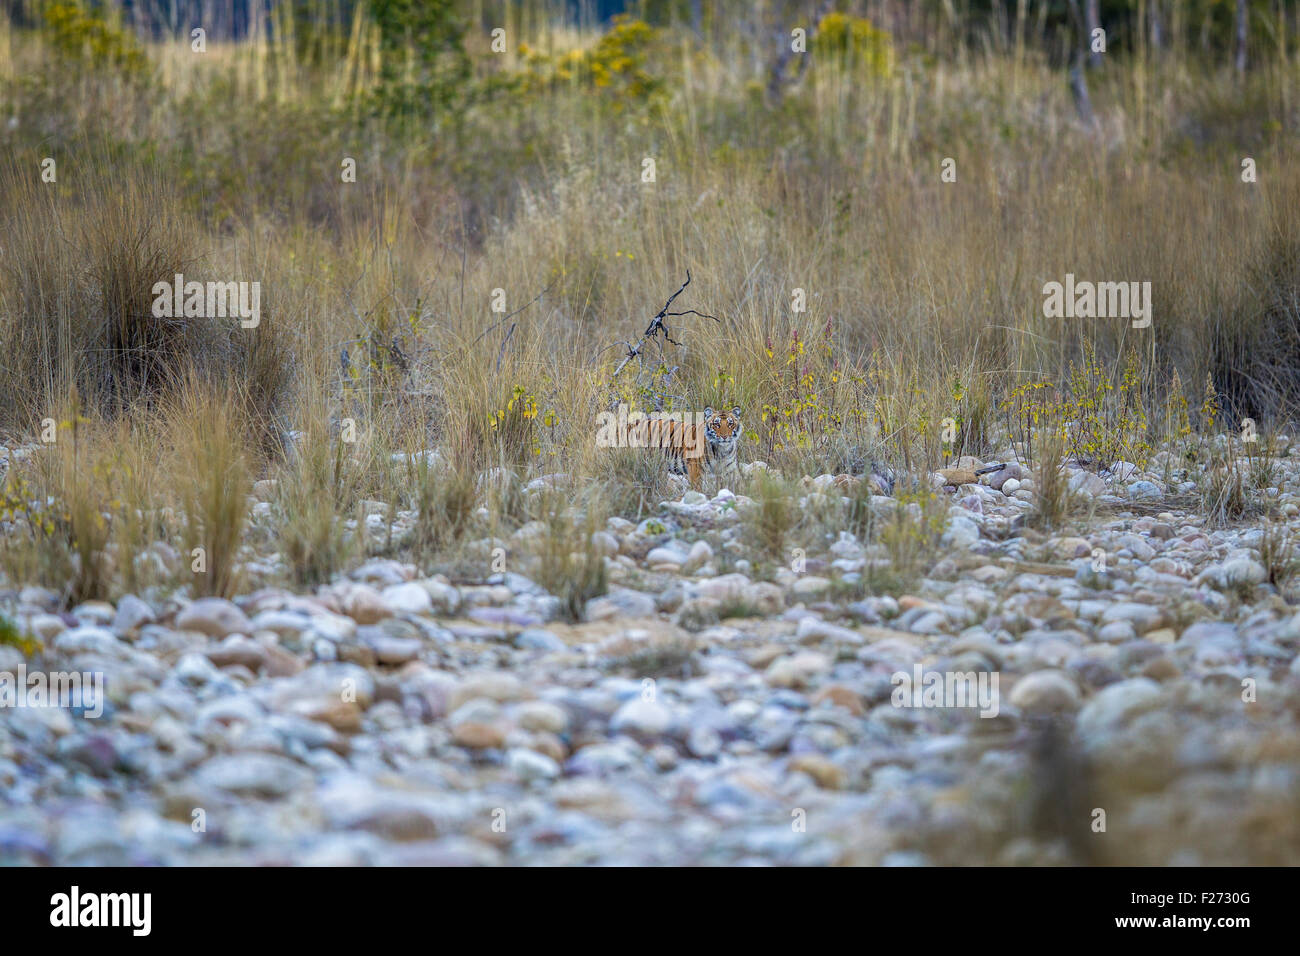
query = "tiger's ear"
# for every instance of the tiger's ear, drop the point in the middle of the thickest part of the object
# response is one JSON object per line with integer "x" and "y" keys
{"x": 736, "y": 411}
{"x": 708, "y": 411}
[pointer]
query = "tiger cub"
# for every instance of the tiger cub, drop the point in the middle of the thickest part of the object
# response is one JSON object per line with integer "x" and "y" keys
{"x": 721, "y": 438}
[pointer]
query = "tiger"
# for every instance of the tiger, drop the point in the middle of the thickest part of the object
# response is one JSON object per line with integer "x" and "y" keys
{"x": 691, "y": 447}
{"x": 719, "y": 451}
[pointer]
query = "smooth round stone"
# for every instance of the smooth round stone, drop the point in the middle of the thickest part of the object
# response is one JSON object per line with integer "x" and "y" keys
{"x": 408, "y": 598}
{"x": 530, "y": 765}
{"x": 1045, "y": 692}
{"x": 215, "y": 617}
{"x": 642, "y": 718}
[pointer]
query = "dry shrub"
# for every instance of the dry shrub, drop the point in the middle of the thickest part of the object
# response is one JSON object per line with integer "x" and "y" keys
{"x": 1051, "y": 491}
{"x": 317, "y": 484}
{"x": 212, "y": 475}
{"x": 568, "y": 563}
{"x": 76, "y": 301}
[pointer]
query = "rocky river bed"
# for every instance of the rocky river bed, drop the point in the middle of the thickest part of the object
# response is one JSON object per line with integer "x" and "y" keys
{"x": 1133, "y": 677}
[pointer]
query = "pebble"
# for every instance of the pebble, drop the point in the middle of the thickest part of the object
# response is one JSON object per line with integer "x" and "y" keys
{"x": 132, "y": 613}
{"x": 642, "y": 718}
{"x": 1045, "y": 692}
{"x": 215, "y": 617}
{"x": 408, "y": 598}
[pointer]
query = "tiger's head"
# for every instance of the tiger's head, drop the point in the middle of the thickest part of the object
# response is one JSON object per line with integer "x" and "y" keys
{"x": 722, "y": 429}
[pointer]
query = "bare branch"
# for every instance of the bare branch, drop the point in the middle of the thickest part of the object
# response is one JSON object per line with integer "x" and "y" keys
{"x": 657, "y": 327}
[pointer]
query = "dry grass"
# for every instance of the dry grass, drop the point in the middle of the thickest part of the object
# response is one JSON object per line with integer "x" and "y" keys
{"x": 775, "y": 515}
{"x": 568, "y": 564}
{"x": 1052, "y": 500}
{"x": 212, "y": 468}
{"x": 859, "y": 300}
{"x": 1277, "y": 552}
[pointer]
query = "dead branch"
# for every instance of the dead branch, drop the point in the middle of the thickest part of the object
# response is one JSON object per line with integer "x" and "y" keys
{"x": 657, "y": 327}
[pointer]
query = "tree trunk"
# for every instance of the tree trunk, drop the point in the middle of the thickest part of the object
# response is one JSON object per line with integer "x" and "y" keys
{"x": 1242, "y": 22}
{"x": 1079, "y": 90}
{"x": 777, "y": 74}
{"x": 1093, "y": 23}
{"x": 1078, "y": 83}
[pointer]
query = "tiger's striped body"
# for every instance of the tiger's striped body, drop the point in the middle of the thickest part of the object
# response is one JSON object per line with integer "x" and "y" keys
{"x": 692, "y": 448}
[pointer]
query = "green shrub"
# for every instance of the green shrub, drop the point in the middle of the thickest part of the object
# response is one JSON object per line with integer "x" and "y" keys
{"x": 84, "y": 37}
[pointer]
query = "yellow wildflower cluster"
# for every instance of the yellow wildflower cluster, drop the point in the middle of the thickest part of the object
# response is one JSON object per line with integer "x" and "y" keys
{"x": 1178, "y": 423}
{"x": 616, "y": 63}
{"x": 79, "y": 35}
{"x": 515, "y": 421}
{"x": 1099, "y": 419}
{"x": 805, "y": 396}
{"x": 856, "y": 41}
{"x": 1211, "y": 408}
{"x": 16, "y": 500}
{"x": 11, "y": 636}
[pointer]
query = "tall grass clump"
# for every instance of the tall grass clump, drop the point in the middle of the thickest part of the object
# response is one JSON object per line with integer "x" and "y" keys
{"x": 1052, "y": 499}
{"x": 774, "y": 515}
{"x": 316, "y": 486}
{"x": 212, "y": 471}
{"x": 445, "y": 502}
{"x": 56, "y": 507}
{"x": 567, "y": 562}
{"x": 77, "y": 299}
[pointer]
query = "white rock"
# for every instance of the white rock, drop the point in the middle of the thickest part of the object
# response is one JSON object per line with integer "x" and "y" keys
{"x": 1045, "y": 692}
{"x": 409, "y": 598}
{"x": 215, "y": 617}
{"x": 332, "y": 627}
{"x": 365, "y": 604}
{"x": 446, "y": 598}
{"x": 1144, "y": 490}
{"x": 238, "y": 649}
{"x": 811, "y": 586}
{"x": 46, "y": 626}
{"x": 700, "y": 555}
{"x": 962, "y": 533}
{"x": 665, "y": 555}
{"x": 530, "y": 765}
{"x": 813, "y": 628}
{"x": 254, "y": 774}
{"x": 1116, "y": 704}
{"x": 604, "y": 543}
{"x": 1087, "y": 484}
{"x": 797, "y": 670}
{"x": 132, "y": 613}
{"x": 643, "y": 718}
{"x": 88, "y": 639}
{"x": 541, "y": 715}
